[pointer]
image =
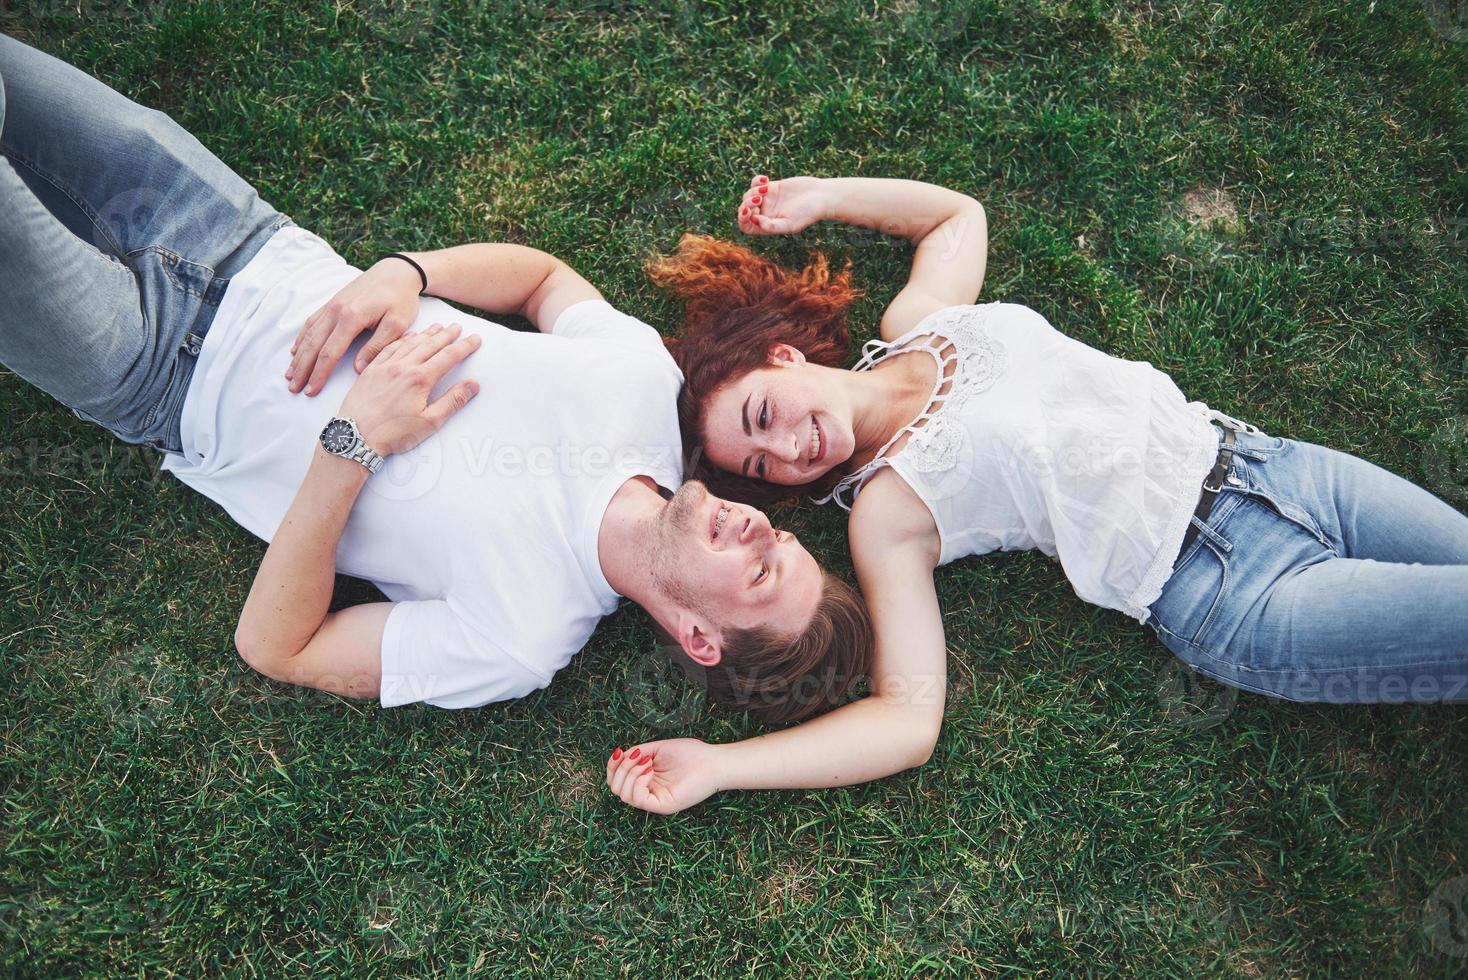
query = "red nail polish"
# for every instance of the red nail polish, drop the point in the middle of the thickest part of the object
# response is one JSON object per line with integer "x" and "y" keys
{"x": 764, "y": 180}
{"x": 616, "y": 755}
{"x": 634, "y": 753}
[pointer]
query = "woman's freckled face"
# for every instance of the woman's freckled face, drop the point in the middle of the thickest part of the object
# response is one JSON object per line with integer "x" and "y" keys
{"x": 775, "y": 424}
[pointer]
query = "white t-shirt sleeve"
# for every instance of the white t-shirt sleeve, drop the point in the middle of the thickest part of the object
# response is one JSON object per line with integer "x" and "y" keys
{"x": 598, "y": 318}
{"x": 431, "y": 653}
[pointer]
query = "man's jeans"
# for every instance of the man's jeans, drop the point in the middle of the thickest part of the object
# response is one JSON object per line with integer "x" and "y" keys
{"x": 1320, "y": 577}
{"x": 118, "y": 236}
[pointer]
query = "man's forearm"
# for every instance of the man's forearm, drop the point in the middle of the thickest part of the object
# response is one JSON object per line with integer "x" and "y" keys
{"x": 856, "y": 743}
{"x": 491, "y": 276}
{"x": 292, "y": 590}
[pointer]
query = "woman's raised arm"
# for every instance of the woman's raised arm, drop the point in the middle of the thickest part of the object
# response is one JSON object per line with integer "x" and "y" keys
{"x": 895, "y": 546}
{"x": 949, "y": 231}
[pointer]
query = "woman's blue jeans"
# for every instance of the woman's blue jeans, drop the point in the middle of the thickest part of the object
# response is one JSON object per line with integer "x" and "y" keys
{"x": 1321, "y": 577}
{"x": 118, "y": 234}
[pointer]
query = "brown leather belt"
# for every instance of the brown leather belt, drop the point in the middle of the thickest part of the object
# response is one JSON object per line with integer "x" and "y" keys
{"x": 1212, "y": 483}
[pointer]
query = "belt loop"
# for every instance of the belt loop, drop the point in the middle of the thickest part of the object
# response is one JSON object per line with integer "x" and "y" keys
{"x": 214, "y": 292}
{"x": 1219, "y": 541}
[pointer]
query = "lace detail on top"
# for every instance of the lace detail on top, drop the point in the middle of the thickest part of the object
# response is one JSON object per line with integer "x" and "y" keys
{"x": 934, "y": 437}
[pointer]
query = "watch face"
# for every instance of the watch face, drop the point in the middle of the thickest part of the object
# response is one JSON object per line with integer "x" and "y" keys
{"x": 337, "y": 436}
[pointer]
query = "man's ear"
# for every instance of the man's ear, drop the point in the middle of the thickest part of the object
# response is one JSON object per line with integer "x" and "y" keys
{"x": 699, "y": 640}
{"x": 787, "y": 354}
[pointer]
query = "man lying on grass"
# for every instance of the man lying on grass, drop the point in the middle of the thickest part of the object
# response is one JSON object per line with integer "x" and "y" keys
{"x": 502, "y": 528}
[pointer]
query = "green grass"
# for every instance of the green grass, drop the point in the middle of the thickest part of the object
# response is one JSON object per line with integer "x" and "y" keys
{"x": 167, "y": 812}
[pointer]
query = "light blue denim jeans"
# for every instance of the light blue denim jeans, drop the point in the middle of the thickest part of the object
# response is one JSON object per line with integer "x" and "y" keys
{"x": 1321, "y": 577}
{"x": 118, "y": 234}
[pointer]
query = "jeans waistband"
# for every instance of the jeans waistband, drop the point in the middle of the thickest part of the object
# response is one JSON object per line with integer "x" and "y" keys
{"x": 193, "y": 341}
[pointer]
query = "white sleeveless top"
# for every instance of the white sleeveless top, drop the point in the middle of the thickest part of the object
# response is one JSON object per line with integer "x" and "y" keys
{"x": 1035, "y": 440}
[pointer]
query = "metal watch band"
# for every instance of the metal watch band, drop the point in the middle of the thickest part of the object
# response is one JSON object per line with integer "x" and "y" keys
{"x": 365, "y": 455}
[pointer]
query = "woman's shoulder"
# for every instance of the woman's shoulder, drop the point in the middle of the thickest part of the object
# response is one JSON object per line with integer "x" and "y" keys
{"x": 970, "y": 323}
{"x": 978, "y": 315}
{"x": 888, "y": 512}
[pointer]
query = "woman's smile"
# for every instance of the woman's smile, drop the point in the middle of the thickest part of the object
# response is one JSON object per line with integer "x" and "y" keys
{"x": 817, "y": 442}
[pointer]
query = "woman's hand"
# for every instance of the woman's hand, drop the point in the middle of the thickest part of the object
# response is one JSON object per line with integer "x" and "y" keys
{"x": 385, "y": 297}
{"x": 666, "y": 776}
{"x": 950, "y": 231}
{"x": 390, "y": 400}
{"x": 782, "y": 207}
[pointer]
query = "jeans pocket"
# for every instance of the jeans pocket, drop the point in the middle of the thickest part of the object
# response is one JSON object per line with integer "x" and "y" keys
{"x": 1263, "y": 484}
{"x": 1194, "y": 592}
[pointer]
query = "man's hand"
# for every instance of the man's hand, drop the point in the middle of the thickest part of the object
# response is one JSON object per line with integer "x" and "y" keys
{"x": 782, "y": 207}
{"x": 390, "y": 399}
{"x": 385, "y": 297}
{"x": 665, "y": 777}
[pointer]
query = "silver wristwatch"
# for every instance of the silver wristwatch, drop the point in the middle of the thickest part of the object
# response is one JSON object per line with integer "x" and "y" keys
{"x": 341, "y": 438}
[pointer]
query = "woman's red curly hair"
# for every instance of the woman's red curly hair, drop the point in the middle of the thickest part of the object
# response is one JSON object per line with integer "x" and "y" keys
{"x": 737, "y": 305}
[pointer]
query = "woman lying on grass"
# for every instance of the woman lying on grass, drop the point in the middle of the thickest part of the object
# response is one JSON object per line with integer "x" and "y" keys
{"x": 1275, "y": 566}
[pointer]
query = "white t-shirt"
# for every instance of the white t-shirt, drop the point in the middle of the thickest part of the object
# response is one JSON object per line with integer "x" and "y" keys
{"x": 485, "y": 535}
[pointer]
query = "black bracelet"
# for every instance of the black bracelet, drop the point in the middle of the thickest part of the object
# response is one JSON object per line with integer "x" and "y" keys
{"x": 421, "y": 274}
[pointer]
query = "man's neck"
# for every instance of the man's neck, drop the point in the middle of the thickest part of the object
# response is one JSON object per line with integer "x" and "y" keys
{"x": 622, "y": 540}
